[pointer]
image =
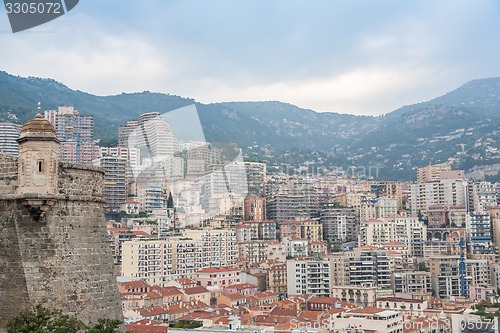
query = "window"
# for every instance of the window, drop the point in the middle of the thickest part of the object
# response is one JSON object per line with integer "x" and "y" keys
{"x": 40, "y": 166}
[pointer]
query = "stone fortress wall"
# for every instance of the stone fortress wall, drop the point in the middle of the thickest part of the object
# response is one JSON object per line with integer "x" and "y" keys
{"x": 60, "y": 258}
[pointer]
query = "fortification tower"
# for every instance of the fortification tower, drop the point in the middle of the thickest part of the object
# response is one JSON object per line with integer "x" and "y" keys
{"x": 37, "y": 169}
{"x": 53, "y": 242}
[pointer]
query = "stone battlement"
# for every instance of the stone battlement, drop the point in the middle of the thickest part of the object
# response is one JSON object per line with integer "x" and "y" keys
{"x": 79, "y": 180}
{"x": 74, "y": 180}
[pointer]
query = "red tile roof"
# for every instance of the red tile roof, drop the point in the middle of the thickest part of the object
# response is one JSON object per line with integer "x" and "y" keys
{"x": 130, "y": 201}
{"x": 177, "y": 308}
{"x": 167, "y": 291}
{"x": 197, "y": 315}
{"x": 265, "y": 294}
{"x": 242, "y": 286}
{"x": 252, "y": 299}
{"x": 372, "y": 220}
{"x": 278, "y": 267}
{"x": 235, "y": 296}
{"x": 290, "y": 222}
{"x": 152, "y": 311}
{"x": 283, "y": 312}
{"x": 140, "y": 233}
{"x": 153, "y": 294}
{"x": 185, "y": 281}
{"x": 308, "y": 315}
{"x": 323, "y": 300}
{"x": 270, "y": 320}
{"x": 147, "y": 326}
{"x": 399, "y": 299}
{"x": 222, "y": 321}
{"x": 336, "y": 310}
{"x": 133, "y": 285}
{"x": 395, "y": 243}
{"x": 195, "y": 290}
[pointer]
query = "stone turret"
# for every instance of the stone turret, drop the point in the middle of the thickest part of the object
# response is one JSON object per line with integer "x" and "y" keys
{"x": 37, "y": 164}
{"x": 53, "y": 243}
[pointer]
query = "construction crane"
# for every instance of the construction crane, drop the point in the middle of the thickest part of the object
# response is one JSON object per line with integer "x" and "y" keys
{"x": 462, "y": 270}
{"x": 78, "y": 152}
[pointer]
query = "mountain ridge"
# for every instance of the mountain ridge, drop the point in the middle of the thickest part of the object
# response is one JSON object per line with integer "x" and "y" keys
{"x": 460, "y": 126}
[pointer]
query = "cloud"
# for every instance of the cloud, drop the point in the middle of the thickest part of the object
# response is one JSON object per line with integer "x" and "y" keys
{"x": 369, "y": 90}
{"x": 91, "y": 60}
{"x": 351, "y": 57}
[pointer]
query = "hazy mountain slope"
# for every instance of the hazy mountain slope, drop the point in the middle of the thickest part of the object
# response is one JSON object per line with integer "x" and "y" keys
{"x": 462, "y": 125}
{"x": 287, "y": 126}
{"x": 19, "y": 96}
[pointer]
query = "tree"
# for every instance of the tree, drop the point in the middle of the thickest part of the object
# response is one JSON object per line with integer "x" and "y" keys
{"x": 44, "y": 320}
{"x": 422, "y": 267}
{"x": 105, "y": 326}
{"x": 187, "y": 324}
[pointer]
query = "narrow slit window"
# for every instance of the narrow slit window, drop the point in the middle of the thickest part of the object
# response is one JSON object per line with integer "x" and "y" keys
{"x": 40, "y": 166}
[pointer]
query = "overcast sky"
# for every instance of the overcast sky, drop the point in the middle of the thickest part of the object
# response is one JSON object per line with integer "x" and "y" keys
{"x": 359, "y": 57}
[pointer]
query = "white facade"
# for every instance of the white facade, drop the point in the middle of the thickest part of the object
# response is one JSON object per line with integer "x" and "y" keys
{"x": 9, "y": 132}
{"x": 297, "y": 248}
{"x": 369, "y": 319}
{"x": 482, "y": 196}
{"x": 132, "y": 155}
{"x": 161, "y": 260}
{"x": 404, "y": 229}
{"x": 448, "y": 192}
{"x": 306, "y": 276}
{"x": 411, "y": 282}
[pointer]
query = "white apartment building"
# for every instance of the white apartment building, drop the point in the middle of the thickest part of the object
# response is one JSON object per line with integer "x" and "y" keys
{"x": 297, "y": 247}
{"x": 339, "y": 223}
{"x": 153, "y": 135}
{"x": 408, "y": 306}
{"x": 148, "y": 259}
{"x": 253, "y": 251}
{"x": 258, "y": 251}
{"x": 368, "y": 267}
{"x": 307, "y": 276}
{"x": 379, "y": 207}
{"x": 405, "y": 229}
{"x": 276, "y": 251}
{"x": 132, "y": 155}
{"x": 482, "y": 195}
{"x": 448, "y": 192}
{"x": 446, "y": 274}
{"x": 9, "y": 132}
{"x": 218, "y": 246}
{"x": 218, "y": 277}
{"x": 411, "y": 282}
{"x": 161, "y": 260}
{"x": 368, "y": 319}
{"x": 359, "y": 295}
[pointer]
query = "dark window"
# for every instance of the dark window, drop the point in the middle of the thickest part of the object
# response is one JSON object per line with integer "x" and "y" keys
{"x": 40, "y": 166}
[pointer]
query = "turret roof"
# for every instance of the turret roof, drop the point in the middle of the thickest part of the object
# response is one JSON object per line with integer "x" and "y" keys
{"x": 38, "y": 127}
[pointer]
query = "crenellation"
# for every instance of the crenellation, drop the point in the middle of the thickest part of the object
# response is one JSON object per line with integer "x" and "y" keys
{"x": 80, "y": 181}
{"x": 8, "y": 174}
